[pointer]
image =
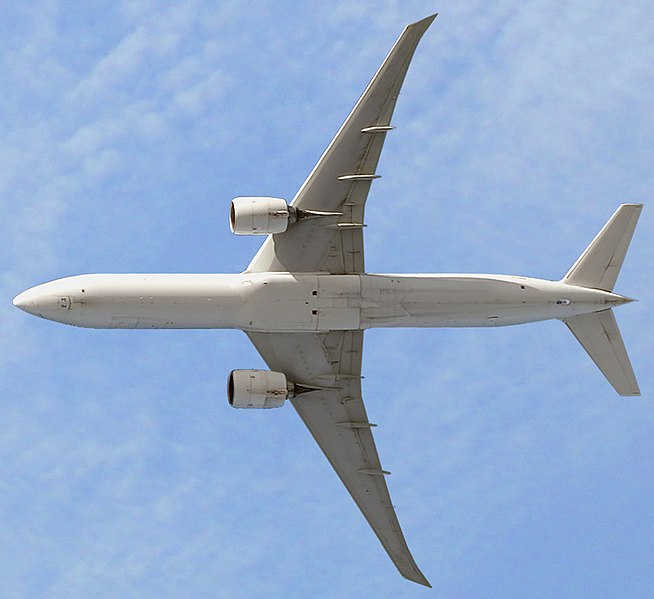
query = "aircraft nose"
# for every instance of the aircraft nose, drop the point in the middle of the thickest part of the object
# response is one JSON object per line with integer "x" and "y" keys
{"x": 25, "y": 301}
{"x": 39, "y": 301}
{"x": 53, "y": 300}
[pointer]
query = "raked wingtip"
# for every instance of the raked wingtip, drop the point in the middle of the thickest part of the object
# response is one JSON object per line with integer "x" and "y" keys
{"x": 423, "y": 23}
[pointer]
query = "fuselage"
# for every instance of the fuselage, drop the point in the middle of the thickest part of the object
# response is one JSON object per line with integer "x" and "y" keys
{"x": 285, "y": 302}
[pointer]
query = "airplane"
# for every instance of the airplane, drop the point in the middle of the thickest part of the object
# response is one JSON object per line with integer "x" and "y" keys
{"x": 305, "y": 300}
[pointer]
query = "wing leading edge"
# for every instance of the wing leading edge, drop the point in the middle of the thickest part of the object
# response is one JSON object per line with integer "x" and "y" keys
{"x": 341, "y": 179}
{"x": 337, "y": 419}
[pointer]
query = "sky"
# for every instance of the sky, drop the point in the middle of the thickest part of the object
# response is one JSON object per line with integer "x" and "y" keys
{"x": 126, "y": 128}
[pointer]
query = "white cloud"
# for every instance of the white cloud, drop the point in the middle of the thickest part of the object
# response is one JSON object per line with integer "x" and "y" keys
{"x": 196, "y": 99}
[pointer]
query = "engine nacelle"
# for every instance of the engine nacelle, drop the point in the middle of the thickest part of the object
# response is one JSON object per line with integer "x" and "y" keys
{"x": 257, "y": 389}
{"x": 259, "y": 216}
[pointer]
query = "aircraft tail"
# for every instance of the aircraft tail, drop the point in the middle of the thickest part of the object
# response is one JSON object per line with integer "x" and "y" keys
{"x": 599, "y": 265}
{"x": 598, "y": 268}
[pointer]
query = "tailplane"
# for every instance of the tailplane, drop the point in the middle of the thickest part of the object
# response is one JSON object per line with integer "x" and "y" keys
{"x": 598, "y": 268}
{"x": 599, "y": 335}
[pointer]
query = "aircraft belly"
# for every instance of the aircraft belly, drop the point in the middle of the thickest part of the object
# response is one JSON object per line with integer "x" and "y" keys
{"x": 442, "y": 301}
{"x": 338, "y": 302}
{"x": 282, "y": 302}
{"x": 150, "y": 301}
{"x": 170, "y": 313}
{"x": 287, "y": 302}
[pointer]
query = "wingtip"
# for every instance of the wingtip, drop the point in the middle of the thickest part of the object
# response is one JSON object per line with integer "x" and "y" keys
{"x": 633, "y": 392}
{"x": 414, "y": 574}
{"x": 423, "y": 23}
{"x": 419, "y": 579}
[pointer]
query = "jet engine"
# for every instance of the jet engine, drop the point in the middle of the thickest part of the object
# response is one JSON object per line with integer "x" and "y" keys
{"x": 260, "y": 216}
{"x": 257, "y": 389}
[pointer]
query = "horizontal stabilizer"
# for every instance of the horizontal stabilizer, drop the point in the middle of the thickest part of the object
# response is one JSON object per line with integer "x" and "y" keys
{"x": 599, "y": 335}
{"x": 599, "y": 265}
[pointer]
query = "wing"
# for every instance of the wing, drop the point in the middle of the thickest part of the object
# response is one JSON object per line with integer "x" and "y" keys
{"x": 341, "y": 180}
{"x": 337, "y": 419}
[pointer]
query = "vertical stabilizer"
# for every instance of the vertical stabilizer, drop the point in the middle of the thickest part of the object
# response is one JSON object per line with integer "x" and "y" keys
{"x": 599, "y": 265}
{"x": 599, "y": 335}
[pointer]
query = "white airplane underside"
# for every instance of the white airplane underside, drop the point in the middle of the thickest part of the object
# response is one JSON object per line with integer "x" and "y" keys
{"x": 293, "y": 303}
{"x": 305, "y": 300}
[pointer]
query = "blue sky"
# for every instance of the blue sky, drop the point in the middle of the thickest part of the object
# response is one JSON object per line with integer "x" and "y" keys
{"x": 128, "y": 126}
